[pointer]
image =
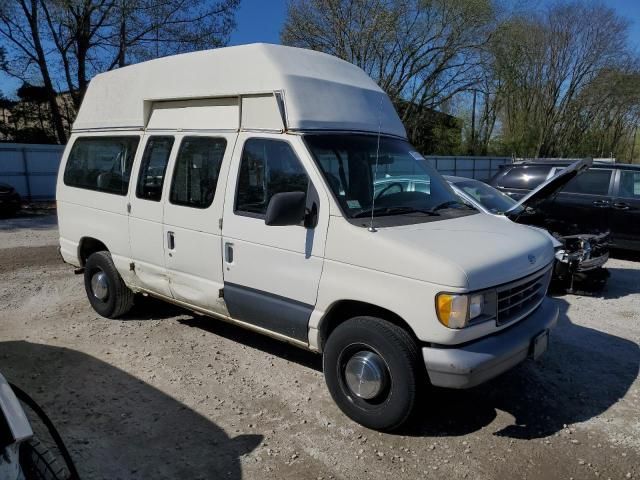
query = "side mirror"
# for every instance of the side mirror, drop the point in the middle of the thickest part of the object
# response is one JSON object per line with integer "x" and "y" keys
{"x": 286, "y": 208}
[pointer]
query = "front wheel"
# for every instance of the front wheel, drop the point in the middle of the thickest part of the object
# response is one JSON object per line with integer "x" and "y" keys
{"x": 371, "y": 368}
{"x": 107, "y": 292}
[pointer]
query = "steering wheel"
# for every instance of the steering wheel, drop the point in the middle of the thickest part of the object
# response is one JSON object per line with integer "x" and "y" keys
{"x": 388, "y": 187}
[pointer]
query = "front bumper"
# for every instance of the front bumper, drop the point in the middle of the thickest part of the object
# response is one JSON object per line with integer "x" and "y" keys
{"x": 476, "y": 362}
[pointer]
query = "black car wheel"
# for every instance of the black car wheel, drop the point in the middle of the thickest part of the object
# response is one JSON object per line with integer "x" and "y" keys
{"x": 107, "y": 292}
{"x": 371, "y": 368}
{"x": 38, "y": 463}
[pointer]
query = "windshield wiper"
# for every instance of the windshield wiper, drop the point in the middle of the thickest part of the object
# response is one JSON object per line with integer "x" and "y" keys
{"x": 448, "y": 204}
{"x": 380, "y": 211}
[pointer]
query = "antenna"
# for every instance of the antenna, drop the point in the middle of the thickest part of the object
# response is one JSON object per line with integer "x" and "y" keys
{"x": 371, "y": 228}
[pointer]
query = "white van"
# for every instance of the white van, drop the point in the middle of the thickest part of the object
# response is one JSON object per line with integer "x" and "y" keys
{"x": 267, "y": 186}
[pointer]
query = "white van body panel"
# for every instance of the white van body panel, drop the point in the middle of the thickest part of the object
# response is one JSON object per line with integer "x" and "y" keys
{"x": 194, "y": 266}
{"x": 410, "y": 299}
{"x": 205, "y": 114}
{"x": 91, "y": 214}
{"x": 283, "y": 261}
{"x": 467, "y": 253}
{"x": 261, "y": 112}
{"x": 146, "y": 234}
{"x": 404, "y": 268}
{"x": 318, "y": 91}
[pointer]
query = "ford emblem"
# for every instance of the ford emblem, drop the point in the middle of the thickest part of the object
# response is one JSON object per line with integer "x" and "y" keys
{"x": 532, "y": 259}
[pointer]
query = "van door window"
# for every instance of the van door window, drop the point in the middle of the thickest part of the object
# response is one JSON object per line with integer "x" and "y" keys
{"x": 267, "y": 167}
{"x": 153, "y": 168}
{"x": 591, "y": 182}
{"x": 195, "y": 175}
{"x": 101, "y": 163}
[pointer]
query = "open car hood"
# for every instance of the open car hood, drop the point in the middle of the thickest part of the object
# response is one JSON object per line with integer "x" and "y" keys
{"x": 548, "y": 189}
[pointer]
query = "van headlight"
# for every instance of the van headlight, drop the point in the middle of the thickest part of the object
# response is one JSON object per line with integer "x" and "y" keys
{"x": 461, "y": 310}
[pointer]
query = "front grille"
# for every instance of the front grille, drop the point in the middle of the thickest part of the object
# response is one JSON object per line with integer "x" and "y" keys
{"x": 519, "y": 298}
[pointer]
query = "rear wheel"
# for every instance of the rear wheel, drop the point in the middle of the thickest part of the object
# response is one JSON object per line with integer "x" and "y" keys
{"x": 107, "y": 292}
{"x": 371, "y": 368}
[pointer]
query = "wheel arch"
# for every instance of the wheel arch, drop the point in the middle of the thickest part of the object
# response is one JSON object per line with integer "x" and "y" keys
{"x": 343, "y": 310}
{"x": 88, "y": 246}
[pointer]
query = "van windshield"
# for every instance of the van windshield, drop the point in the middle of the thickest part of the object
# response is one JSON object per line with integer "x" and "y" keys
{"x": 402, "y": 183}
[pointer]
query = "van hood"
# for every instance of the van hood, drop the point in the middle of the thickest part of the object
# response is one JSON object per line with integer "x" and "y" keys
{"x": 472, "y": 252}
{"x": 549, "y": 189}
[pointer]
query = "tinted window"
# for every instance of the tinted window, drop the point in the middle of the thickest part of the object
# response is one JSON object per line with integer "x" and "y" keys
{"x": 267, "y": 167}
{"x": 524, "y": 177}
{"x": 629, "y": 184}
{"x": 101, "y": 163}
{"x": 153, "y": 168}
{"x": 592, "y": 182}
{"x": 195, "y": 175}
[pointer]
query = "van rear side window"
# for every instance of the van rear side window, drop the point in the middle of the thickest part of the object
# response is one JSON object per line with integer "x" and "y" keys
{"x": 101, "y": 163}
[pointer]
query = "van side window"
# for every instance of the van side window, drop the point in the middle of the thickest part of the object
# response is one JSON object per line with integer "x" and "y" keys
{"x": 101, "y": 163}
{"x": 267, "y": 167}
{"x": 591, "y": 182}
{"x": 195, "y": 175}
{"x": 153, "y": 168}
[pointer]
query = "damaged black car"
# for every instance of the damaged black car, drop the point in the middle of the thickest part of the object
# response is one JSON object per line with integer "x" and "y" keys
{"x": 580, "y": 256}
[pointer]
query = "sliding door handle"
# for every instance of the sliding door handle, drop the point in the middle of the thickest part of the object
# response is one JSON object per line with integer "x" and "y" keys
{"x": 228, "y": 252}
{"x": 171, "y": 241}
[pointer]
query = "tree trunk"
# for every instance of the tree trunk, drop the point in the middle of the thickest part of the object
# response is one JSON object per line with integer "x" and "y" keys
{"x": 122, "y": 37}
{"x": 46, "y": 78}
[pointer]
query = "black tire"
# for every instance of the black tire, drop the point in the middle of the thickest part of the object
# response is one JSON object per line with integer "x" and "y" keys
{"x": 119, "y": 299}
{"x": 394, "y": 403}
{"x": 38, "y": 463}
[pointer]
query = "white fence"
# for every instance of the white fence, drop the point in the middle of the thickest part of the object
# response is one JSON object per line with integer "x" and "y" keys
{"x": 31, "y": 169}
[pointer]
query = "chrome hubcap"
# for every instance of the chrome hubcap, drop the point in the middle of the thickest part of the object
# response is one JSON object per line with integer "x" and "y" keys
{"x": 100, "y": 285}
{"x": 366, "y": 375}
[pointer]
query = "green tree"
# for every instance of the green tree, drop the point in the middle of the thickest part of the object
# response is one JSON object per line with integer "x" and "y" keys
{"x": 559, "y": 80}
{"x": 421, "y": 52}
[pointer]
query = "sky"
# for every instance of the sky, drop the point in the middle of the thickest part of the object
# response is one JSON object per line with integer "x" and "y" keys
{"x": 261, "y": 21}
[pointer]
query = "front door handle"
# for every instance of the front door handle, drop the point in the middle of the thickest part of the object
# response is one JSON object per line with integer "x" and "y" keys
{"x": 621, "y": 206}
{"x": 171, "y": 241}
{"x": 601, "y": 203}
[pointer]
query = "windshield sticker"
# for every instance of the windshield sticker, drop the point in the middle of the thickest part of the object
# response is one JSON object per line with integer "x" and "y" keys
{"x": 353, "y": 203}
{"x": 416, "y": 155}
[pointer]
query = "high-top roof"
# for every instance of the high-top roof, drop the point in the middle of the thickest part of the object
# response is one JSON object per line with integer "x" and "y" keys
{"x": 318, "y": 91}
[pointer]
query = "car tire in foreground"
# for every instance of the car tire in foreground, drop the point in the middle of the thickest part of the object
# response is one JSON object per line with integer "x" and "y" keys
{"x": 107, "y": 292}
{"x": 371, "y": 367}
{"x": 38, "y": 463}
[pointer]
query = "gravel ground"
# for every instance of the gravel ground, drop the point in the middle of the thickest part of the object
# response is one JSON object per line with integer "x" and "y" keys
{"x": 166, "y": 394}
